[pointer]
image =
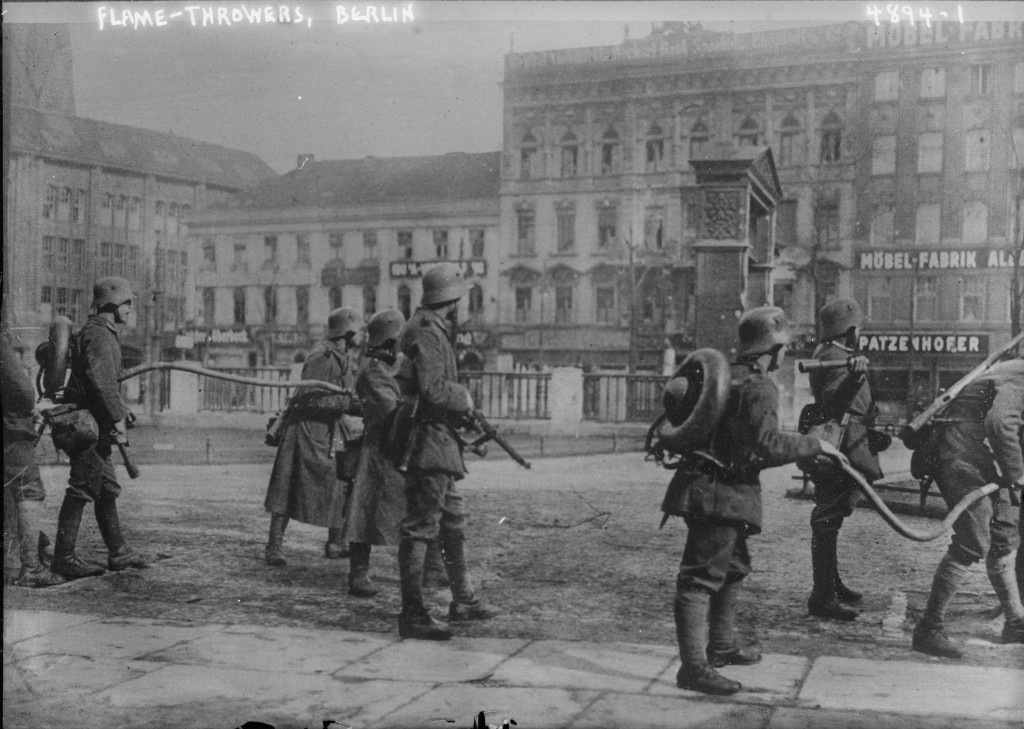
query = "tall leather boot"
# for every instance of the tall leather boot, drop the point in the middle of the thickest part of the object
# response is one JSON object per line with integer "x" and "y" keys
{"x": 335, "y": 548}
{"x": 33, "y": 572}
{"x": 119, "y": 555}
{"x": 930, "y": 633}
{"x": 359, "y": 583}
{"x": 1002, "y": 575}
{"x": 823, "y": 602}
{"x": 66, "y": 563}
{"x": 723, "y": 647}
{"x": 415, "y": 621}
{"x": 274, "y": 552}
{"x": 843, "y": 593}
{"x": 465, "y": 604}
{"x": 696, "y": 674}
{"x": 434, "y": 573}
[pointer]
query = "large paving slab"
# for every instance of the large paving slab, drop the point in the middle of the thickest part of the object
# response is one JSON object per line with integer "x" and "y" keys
{"x": 790, "y": 718}
{"x": 63, "y": 675}
{"x": 113, "y": 638}
{"x": 610, "y": 667}
{"x": 23, "y": 624}
{"x": 659, "y": 712}
{"x": 290, "y": 650}
{"x": 775, "y": 680}
{"x": 460, "y": 705}
{"x": 459, "y": 659}
{"x": 906, "y": 687}
{"x": 361, "y": 703}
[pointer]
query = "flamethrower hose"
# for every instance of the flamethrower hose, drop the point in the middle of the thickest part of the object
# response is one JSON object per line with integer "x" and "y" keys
{"x": 906, "y": 531}
{"x": 214, "y": 374}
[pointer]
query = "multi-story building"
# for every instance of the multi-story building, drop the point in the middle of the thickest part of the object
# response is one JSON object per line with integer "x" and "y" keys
{"x": 899, "y": 151}
{"x": 359, "y": 233}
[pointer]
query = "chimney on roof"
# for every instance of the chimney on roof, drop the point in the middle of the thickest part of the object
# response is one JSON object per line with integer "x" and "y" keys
{"x": 303, "y": 160}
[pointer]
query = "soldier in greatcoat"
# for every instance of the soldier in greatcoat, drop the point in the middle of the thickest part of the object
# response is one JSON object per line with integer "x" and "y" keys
{"x": 434, "y": 506}
{"x": 304, "y": 483}
{"x": 844, "y": 395}
{"x": 720, "y": 499}
{"x": 992, "y": 406}
{"x": 94, "y": 384}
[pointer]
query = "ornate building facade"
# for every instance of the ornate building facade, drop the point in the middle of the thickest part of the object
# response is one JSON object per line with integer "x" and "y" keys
{"x": 899, "y": 152}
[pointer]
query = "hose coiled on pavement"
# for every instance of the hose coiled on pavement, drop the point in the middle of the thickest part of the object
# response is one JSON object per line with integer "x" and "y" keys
{"x": 214, "y": 374}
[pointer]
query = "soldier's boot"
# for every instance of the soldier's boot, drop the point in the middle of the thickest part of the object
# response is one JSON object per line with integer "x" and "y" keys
{"x": 434, "y": 573}
{"x": 465, "y": 604}
{"x": 843, "y": 593}
{"x": 335, "y": 548}
{"x": 823, "y": 602}
{"x": 273, "y": 555}
{"x": 930, "y": 633}
{"x": 415, "y": 621}
{"x": 723, "y": 647}
{"x": 66, "y": 563}
{"x": 44, "y": 548}
{"x": 33, "y": 572}
{"x": 120, "y": 556}
{"x": 359, "y": 582}
{"x": 1002, "y": 575}
{"x": 690, "y": 610}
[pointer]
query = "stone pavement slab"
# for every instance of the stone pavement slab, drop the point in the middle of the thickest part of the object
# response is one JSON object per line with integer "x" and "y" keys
{"x": 566, "y": 664}
{"x": 659, "y": 712}
{"x": 906, "y": 687}
{"x": 52, "y": 674}
{"x": 23, "y": 624}
{"x": 789, "y": 718}
{"x": 775, "y": 680}
{"x": 282, "y": 650}
{"x": 453, "y": 661}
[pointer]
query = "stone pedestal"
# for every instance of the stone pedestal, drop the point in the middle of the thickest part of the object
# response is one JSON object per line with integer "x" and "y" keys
{"x": 565, "y": 400}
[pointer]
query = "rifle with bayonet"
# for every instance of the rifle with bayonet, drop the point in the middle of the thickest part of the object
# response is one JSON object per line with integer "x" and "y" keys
{"x": 475, "y": 422}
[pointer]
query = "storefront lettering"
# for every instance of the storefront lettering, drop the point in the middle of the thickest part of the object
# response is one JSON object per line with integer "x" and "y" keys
{"x": 928, "y": 260}
{"x": 228, "y": 336}
{"x": 907, "y": 35}
{"x": 925, "y": 343}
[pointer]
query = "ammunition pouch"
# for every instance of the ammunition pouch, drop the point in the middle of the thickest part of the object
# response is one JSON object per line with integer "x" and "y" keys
{"x": 878, "y": 440}
{"x": 73, "y": 429}
{"x": 350, "y": 447}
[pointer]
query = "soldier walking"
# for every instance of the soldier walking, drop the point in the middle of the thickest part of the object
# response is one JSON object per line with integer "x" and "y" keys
{"x": 719, "y": 496}
{"x": 434, "y": 506}
{"x": 94, "y": 385}
{"x": 304, "y": 483}
{"x": 991, "y": 406}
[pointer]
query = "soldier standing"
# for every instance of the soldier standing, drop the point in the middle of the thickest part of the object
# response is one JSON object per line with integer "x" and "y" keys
{"x": 845, "y": 397}
{"x": 720, "y": 499}
{"x": 23, "y": 486}
{"x": 434, "y": 506}
{"x": 304, "y": 483}
{"x": 991, "y": 406}
{"x": 94, "y": 385}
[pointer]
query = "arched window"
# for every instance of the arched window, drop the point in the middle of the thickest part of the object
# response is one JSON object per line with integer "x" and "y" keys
{"x": 476, "y": 300}
{"x": 655, "y": 148}
{"x": 749, "y": 133}
{"x": 831, "y": 139}
{"x": 334, "y": 297}
{"x": 610, "y": 153}
{"x": 570, "y": 155}
{"x": 789, "y": 136}
{"x": 528, "y": 157}
{"x": 700, "y": 135}
{"x": 405, "y": 301}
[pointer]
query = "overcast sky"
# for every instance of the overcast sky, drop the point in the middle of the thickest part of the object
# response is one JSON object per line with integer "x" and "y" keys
{"x": 346, "y": 91}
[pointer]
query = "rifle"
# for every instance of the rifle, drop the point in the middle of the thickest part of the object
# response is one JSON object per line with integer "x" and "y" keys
{"x": 911, "y": 430}
{"x": 475, "y": 420}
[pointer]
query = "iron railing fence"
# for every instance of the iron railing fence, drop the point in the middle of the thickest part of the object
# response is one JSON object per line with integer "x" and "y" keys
{"x": 224, "y": 396}
{"x": 511, "y": 395}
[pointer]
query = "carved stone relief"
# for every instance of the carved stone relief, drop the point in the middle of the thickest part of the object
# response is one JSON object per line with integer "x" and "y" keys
{"x": 722, "y": 215}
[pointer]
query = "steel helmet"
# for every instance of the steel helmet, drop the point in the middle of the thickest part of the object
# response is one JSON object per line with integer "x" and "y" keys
{"x": 343, "y": 321}
{"x": 837, "y": 316}
{"x": 384, "y": 325}
{"x": 762, "y": 329}
{"x": 111, "y": 291}
{"x": 443, "y": 283}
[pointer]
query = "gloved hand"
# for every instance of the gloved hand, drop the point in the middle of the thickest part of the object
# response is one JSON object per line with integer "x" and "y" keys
{"x": 832, "y": 453}
{"x": 39, "y": 412}
{"x": 119, "y": 433}
{"x": 858, "y": 366}
{"x": 129, "y": 420}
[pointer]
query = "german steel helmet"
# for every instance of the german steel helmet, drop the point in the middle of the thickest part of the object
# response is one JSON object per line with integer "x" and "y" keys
{"x": 443, "y": 283}
{"x": 837, "y": 316}
{"x": 762, "y": 329}
{"x": 342, "y": 321}
{"x": 384, "y": 325}
{"x": 111, "y": 290}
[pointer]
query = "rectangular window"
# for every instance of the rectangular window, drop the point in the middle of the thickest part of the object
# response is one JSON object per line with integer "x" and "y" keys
{"x": 74, "y": 303}
{"x": 887, "y": 86}
{"x": 120, "y": 218}
{"x": 270, "y": 251}
{"x": 566, "y": 231}
{"x": 607, "y": 222}
{"x": 209, "y": 253}
{"x": 78, "y": 253}
{"x": 933, "y": 83}
{"x": 831, "y": 145}
{"x": 525, "y": 233}
{"x": 269, "y": 305}
{"x": 570, "y": 157}
{"x": 476, "y": 242}
{"x": 106, "y": 254}
{"x": 524, "y": 304}
{"x": 527, "y": 157}
{"x": 369, "y": 244}
{"x": 609, "y": 158}
{"x": 302, "y": 250}
{"x": 787, "y": 148}
{"x": 883, "y": 155}
{"x": 134, "y": 205}
{"x": 563, "y": 304}
{"x": 655, "y": 155}
{"x": 441, "y": 244}
{"x": 883, "y": 224}
{"x": 239, "y": 261}
{"x": 604, "y": 298}
{"x": 64, "y": 208}
{"x": 49, "y": 253}
{"x": 46, "y": 295}
{"x": 63, "y": 253}
{"x": 133, "y": 261}
{"x": 238, "y": 296}
{"x": 50, "y": 203}
{"x": 826, "y": 222}
{"x": 981, "y": 79}
{"x": 77, "y": 201}
{"x": 977, "y": 150}
{"x": 60, "y": 303}
{"x": 927, "y": 227}
{"x": 335, "y": 241}
{"x": 119, "y": 259}
{"x": 880, "y": 299}
{"x": 654, "y": 229}
{"x": 209, "y": 306}
{"x": 405, "y": 244}
{"x": 972, "y": 299}
{"x": 926, "y": 298}
{"x": 302, "y": 305}
{"x": 929, "y": 152}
